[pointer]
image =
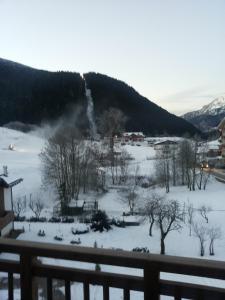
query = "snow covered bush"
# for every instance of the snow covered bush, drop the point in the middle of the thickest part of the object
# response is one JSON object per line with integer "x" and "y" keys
{"x": 58, "y": 238}
{"x": 80, "y": 229}
{"x": 118, "y": 223}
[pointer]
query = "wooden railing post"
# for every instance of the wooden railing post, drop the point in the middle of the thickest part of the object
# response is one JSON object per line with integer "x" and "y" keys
{"x": 10, "y": 286}
{"x": 151, "y": 282}
{"x": 26, "y": 277}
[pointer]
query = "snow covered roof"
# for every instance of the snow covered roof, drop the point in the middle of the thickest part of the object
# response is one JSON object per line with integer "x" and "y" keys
{"x": 133, "y": 133}
{"x": 214, "y": 144}
{"x": 6, "y": 183}
{"x": 166, "y": 142}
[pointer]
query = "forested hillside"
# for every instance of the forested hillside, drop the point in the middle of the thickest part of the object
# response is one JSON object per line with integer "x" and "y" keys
{"x": 142, "y": 114}
{"x": 32, "y": 96}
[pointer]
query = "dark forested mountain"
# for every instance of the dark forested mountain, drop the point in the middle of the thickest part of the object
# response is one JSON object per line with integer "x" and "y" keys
{"x": 31, "y": 96}
{"x": 143, "y": 115}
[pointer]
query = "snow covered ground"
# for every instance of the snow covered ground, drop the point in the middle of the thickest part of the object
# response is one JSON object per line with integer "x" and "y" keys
{"x": 24, "y": 162}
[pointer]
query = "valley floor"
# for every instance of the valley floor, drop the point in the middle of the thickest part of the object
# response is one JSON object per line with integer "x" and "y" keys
{"x": 24, "y": 162}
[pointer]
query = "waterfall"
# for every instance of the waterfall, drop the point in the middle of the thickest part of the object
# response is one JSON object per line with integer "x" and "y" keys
{"x": 90, "y": 112}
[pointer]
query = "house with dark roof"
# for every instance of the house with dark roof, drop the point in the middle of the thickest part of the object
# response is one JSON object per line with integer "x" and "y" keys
{"x": 133, "y": 137}
{"x": 6, "y": 204}
{"x": 166, "y": 147}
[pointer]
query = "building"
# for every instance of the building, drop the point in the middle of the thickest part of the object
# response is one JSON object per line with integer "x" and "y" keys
{"x": 166, "y": 147}
{"x": 213, "y": 152}
{"x": 151, "y": 142}
{"x": 221, "y": 128}
{"x": 6, "y": 204}
{"x": 133, "y": 137}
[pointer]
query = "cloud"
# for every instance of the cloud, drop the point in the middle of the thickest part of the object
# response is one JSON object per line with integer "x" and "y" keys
{"x": 188, "y": 94}
{"x": 190, "y": 99}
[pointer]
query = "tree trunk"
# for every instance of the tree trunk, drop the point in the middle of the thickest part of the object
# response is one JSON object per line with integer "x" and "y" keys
{"x": 211, "y": 248}
{"x": 150, "y": 228}
{"x": 201, "y": 176}
{"x": 202, "y": 250}
{"x": 182, "y": 174}
{"x": 162, "y": 246}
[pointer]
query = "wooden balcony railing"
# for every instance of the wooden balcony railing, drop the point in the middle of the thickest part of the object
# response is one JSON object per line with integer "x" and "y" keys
{"x": 29, "y": 268}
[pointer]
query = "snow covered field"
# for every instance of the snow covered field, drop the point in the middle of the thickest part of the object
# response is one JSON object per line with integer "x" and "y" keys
{"x": 24, "y": 162}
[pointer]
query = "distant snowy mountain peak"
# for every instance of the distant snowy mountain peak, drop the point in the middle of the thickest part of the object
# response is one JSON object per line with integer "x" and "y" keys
{"x": 209, "y": 115}
{"x": 215, "y": 107}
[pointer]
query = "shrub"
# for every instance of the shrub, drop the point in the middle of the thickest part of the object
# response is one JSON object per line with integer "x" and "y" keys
{"x": 141, "y": 250}
{"x": 54, "y": 220}
{"x": 42, "y": 219}
{"x": 67, "y": 220}
{"x": 97, "y": 268}
{"x": 35, "y": 219}
{"x": 100, "y": 221}
{"x": 19, "y": 219}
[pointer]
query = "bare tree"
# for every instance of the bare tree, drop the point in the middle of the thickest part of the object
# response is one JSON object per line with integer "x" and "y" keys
{"x": 185, "y": 158}
{"x": 169, "y": 217}
{"x": 206, "y": 177}
{"x": 194, "y": 163}
{"x": 19, "y": 206}
{"x": 214, "y": 233}
{"x": 189, "y": 162}
{"x": 190, "y": 216}
{"x": 112, "y": 123}
{"x": 123, "y": 166}
{"x": 174, "y": 167}
{"x": 150, "y": 208}
{"x": 204, "y": 211}
{"x": 132, "y": 198}
{"x": 70, "y": 164}
{"x": 100, "y": 167}
{"x": 201, "y": 233}
{"x": 36, "y": 206}
{"x": 137, "y": 174}
{"x": 202, "y": 159}
{"x": 162, "y": 168}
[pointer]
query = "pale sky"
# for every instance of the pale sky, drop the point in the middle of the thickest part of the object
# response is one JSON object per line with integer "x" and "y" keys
{"x": 171, "y": 51}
